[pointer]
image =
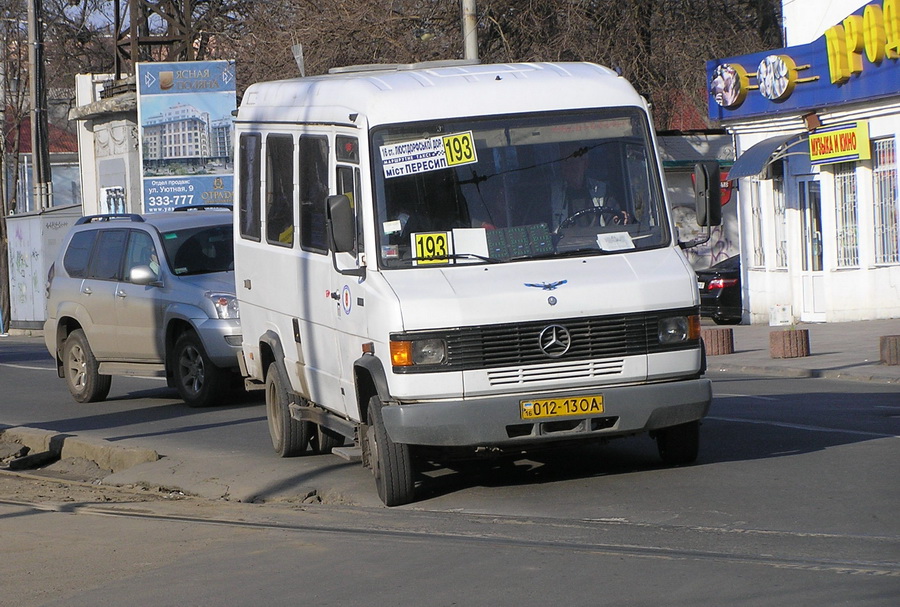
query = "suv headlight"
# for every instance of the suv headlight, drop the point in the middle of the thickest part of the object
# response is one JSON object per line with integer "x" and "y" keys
{"x": 226, "y": 305}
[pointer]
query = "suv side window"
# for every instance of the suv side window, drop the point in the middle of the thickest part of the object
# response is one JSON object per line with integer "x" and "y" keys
{"x": 140, "y": 252}
{"x": 79, "y": 253}
{"x": 107, "y": 259}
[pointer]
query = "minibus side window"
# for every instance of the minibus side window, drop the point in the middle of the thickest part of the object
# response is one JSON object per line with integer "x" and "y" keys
{"x": 249, "y": 216}
{"x": 312, "y": 171}
{"x": 280, "y": 190}
{"x": 348, "y": 185}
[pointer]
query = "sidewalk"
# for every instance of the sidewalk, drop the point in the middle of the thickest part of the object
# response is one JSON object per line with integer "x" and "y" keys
{"x": 848, "y": 350}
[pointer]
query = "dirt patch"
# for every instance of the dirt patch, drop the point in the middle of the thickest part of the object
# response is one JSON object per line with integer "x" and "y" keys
{"x": 31, "y": 488}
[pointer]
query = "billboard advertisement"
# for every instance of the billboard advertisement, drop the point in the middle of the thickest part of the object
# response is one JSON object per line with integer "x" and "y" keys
{"x": 186, "y": 133}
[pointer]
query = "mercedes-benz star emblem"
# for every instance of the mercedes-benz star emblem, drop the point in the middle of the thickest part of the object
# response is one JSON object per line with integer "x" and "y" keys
{"x": 554, "y": 341}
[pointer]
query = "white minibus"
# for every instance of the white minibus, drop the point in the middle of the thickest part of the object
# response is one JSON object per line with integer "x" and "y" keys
{"x": 460, "y": 259}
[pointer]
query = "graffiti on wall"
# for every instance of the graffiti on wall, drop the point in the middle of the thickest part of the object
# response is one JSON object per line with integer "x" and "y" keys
{"x": 718, "y": 248}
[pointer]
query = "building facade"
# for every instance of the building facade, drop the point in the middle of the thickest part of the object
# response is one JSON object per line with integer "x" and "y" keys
{"x": 816, "y": 135}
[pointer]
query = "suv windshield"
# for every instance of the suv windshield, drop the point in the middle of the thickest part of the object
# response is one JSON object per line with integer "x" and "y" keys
{"x": 513, "y": 187}
{"x": 199, "y": 250}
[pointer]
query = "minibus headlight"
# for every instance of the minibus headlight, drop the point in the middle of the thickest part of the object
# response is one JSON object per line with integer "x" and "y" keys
{"x": 678, "y": 329}
{"x": 418, "y": 352}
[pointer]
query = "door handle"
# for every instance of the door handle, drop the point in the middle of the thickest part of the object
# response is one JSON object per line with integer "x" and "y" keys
{"x": 121, "y": 293}
{"x": 86, "y": 291}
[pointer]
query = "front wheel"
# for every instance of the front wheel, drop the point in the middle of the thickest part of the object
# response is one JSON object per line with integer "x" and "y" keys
{"x": 289, "y": 436}
{"x": 199, "y": 382}
{"x": 82, "y": 371}
{"x": 679, "y": 444}
{"x": 391, "y": 462}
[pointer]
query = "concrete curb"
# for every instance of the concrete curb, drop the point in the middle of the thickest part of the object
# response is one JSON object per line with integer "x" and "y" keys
{"x": 799, "y": 372}
{"x": 101, "y": 452}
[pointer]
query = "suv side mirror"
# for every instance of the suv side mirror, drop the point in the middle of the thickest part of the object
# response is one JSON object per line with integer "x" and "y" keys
{"x": 142, "y": 275}
{"x": 707, "y": 193}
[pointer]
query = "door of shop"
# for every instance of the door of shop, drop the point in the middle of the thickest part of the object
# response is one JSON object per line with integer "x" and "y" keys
{"x": 812, "y": 275}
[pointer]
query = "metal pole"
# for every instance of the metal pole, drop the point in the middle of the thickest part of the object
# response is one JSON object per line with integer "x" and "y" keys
{"x": 469, "y": 28}
{"x": 40, "y": 154}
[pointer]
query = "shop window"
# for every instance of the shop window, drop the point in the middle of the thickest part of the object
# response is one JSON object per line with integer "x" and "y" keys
{"x": 887, "y": 207}
{"x": 847, "y": 223}
{"x": 759, "y": 252}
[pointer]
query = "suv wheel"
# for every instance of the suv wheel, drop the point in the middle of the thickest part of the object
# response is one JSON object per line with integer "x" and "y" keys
{"x": 198, "y": 380}
{"x": 81, "y": 370}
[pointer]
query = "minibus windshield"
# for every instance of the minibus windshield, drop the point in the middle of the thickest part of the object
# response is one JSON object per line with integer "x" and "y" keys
{"x": 507, "y": 188}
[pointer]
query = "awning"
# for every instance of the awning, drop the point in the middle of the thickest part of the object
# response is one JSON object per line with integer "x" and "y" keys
{"x": 758, "y": 156}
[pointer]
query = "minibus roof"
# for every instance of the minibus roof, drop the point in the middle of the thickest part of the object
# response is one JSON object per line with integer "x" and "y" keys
{"x": 390, "y": 94}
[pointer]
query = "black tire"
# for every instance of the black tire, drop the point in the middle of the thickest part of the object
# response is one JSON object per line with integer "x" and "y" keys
{"x": 391, "y": 462}
{"x": 722, "y": 320}
{"x": 289, "y": 436}
{"x": 82, "y": 371}
{"x": 199, "y": 382}
{"x": 323, "y": 440}
{"x": 679, "y": 444}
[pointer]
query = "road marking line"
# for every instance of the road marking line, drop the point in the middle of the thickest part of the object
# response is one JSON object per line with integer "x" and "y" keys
{"x": 27, "y": 367}
{"x": 802, "y": 427}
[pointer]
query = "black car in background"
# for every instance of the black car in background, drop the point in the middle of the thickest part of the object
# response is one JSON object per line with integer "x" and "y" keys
{"x": 720, "y": 291}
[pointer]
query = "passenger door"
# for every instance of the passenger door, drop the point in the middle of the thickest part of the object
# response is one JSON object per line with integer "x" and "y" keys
{"x": 98, "y": 294}
{"x": 139, "y": 307}
{"x": 351, "y": 319}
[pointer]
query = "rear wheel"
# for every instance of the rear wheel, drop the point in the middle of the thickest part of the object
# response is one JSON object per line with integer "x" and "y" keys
{"x": 391, "y": 462}
{"x": 289, "y": 436}
{"x": 200, "y": 383}
{"x": 82, "y": 371}
{"x": 679, "y": 444}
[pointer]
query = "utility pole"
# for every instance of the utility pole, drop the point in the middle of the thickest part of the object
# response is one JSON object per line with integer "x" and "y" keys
{"x": 469, "y": 29}
{"x": 40, "y": 152}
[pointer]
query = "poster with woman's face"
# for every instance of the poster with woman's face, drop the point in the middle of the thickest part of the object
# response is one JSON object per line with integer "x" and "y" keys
{"x": 728, "y": 86}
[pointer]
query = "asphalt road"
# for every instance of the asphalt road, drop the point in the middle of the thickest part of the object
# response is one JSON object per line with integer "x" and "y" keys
{"x": 792, "y": 501}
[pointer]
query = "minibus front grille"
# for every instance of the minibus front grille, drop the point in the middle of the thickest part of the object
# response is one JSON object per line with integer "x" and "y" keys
{"x": 516, "y": 345}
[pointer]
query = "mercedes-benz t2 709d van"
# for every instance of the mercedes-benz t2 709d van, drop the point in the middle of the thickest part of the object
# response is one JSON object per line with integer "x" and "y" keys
{"x": 472, "y": 258}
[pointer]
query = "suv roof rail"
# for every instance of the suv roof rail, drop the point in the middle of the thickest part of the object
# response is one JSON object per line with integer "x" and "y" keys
{"x": 109, "y": 217}
{"x": 203, "y": 207}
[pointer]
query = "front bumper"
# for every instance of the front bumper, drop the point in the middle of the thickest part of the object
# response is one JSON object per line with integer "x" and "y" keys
{"x": 216, "y": 333}
{"x": 495, "y": 421}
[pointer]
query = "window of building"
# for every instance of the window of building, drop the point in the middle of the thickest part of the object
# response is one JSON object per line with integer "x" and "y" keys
{"x": 759, "y": 252}
{"x": 781, "y": 248}
{"x": 887, "y": 207}
{"x": 847, "y": 223}
{"x": 280, "y": 190}
{"x": 312, "y": 173}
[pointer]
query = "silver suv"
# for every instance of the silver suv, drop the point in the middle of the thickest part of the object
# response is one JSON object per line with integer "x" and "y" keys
{"x": 149, "y": 295}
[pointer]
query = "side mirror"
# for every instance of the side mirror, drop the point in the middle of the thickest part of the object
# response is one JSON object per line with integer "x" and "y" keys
{"x": 341, "y": 224}
{"x": 142, "y": 275}
{"x": 707, "y": 193}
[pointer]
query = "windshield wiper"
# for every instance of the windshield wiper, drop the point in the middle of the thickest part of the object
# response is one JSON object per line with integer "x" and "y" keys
{"x": 458, "y": 256}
